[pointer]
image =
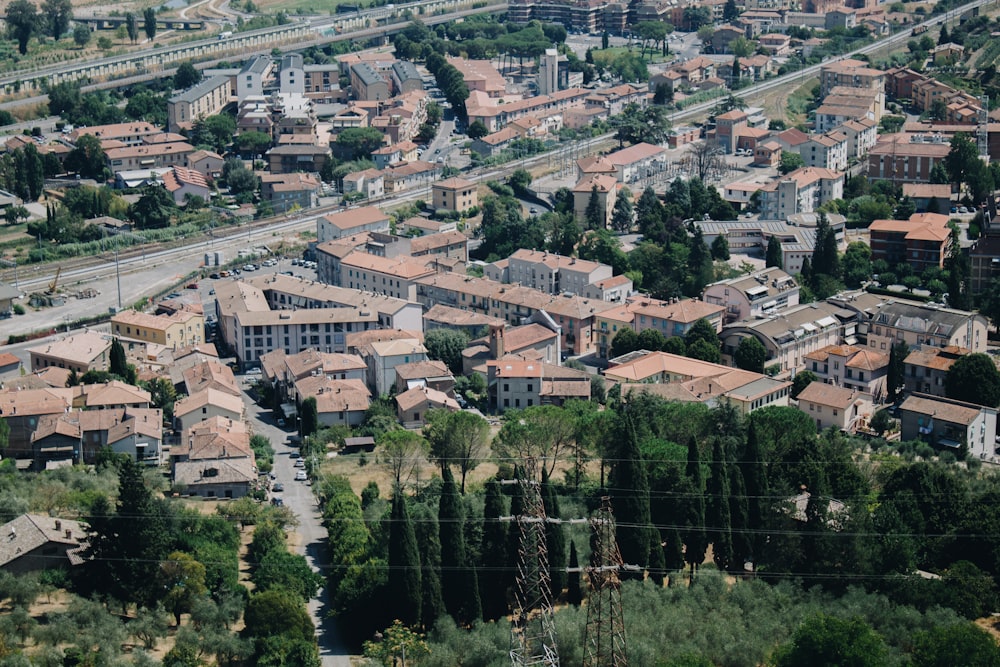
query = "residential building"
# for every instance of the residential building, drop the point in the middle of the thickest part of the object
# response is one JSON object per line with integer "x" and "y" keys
{"x": 290, "y": 158}
{"x": 22, "y": 410}
{"x": 827, "y": 151}
{"x": 726, "y": 127}
{"x": 77, "y": 437}
{"x": 292, "y": 75}
{"x": 454, "y": 194}
{"x": 699, "y": 381}
{"x": 921, "y": 242}
{"x": 289, "y": 192}
{"x": 480, "y": 76}
{"x": 638, "y": 161}
{"x": 759, "y": 293}
{"x": 925, "y": 369}
{"x": 369, "y": 182}
{"x": 472, "y": 323}
{"x": 432, "y": 374}
{"x": 338, "y": 402}
{"x": 517, "y": 383}
{"x": 536, "y": 340}
{"x": 217, "y": 461}
{"x": 929, "y": 197}
{"x": 605, "y": 188}
{"x": 112, "y": 394}
{"x": 862, "y": 135}
{"x": 409, "y": 175}
{"x": 253, "y": 76}
{"x": 548, "y": 272}
{"x": 852, "y": 367}
{"x": 206, "y": 404}
{"x": 200, "y": 101}
{"x": 886, "y": 320}
{"x": 368, "y": 84}
{"x": 585, "y": 16}
{"x": 394, "y": 277}
{"x": 801, "y": 191}
{"x": 383, "y": 357}
{"x": 34, "y": 542}
{"x": 790, "y": 334}
{"x": 905, "y": 158}
{"x": 613, "y": 290}
{"x": 148, "y": 157}
{"x": 638, "y": 313}
{"x": 207, "y": 163}
{"x": 181, "y": 329}
{"x": 80, "y": 353}
{"x": 831, "y": 406}
{"x": 852, "y": 74}
{"x": 350, "y": 222}
{"x": 775, "y": 44}
{"x": 412, "y": 405}
{"x": 949, "y": 424}
{"x": 405, "y": 78}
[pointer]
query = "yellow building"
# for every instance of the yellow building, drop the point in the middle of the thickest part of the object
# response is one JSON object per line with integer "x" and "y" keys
{"x": 180, "y": 329}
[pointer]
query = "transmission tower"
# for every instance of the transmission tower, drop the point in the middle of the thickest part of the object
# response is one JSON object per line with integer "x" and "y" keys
{"x": 533, "y": 635}
{"x": 605, "y": 637}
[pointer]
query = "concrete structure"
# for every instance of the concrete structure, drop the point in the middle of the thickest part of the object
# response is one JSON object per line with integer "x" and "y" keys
{"x": 836, "y": 407}
{"x": 605, "y": 188}
{"x": 287, "y": 192}
{"x": 405, "y": 78}
{"x": 292, "y": 75}
{"x": 949, "y": 424}
{"x": 412, "y": 405}
{"x": 801, "y": 191}
{"x": 757, "y": 294}
{"x": 252, "y": 77}
{"x": 367, "y": 84}
{"x": 396, "y": 277}
{"x": 902, "y": 158}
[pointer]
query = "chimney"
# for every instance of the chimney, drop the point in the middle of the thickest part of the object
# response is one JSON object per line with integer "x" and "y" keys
{"x": 58, "y": 524}
{"x": 69, "y": 534}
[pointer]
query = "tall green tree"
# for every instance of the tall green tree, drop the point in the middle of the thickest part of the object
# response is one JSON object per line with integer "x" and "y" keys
{"x": 447, "y": 345}
{"x": 187, "y": 75}
{"x": 459, "y": 583}
{"x": 959, "y": 273}
{"x": 458, "y": 439}
{"x": 962, "y": 158}
{"x": 555, "y": 537}
{"x": 309, "y": 417}
{"x": 720, "y": 248}
{"x": 631, "y": 498}
{"x": 750, "y": 355}
{"x": 742, "y": 540}
{"x": 625, "y": 341}
{"x": 700, "y": 269}
{"x": 828, "y": 641}
{"x": 132, "y": 27}
{"x": 404, "y": 562}
{"x": 87, "y": 158}
{"x": 622, "y": 215}
{"x": 718, "y": 516}
{"x": 895, "y": 378}
{"x": 149, "y": 22}
{"x": 58, "y": 14}
{"x": 425, "y": 525}
{"x": 593, "y": 215}
{"x": 774, "y": 256}
{"x": 494, "y": 570}
{"x": 695, "y": 543}
{"x": 22, "y": 22}
{"x": 974, "y": 378}
{"x": 118, "y": 364}
{"x": 574, "y": 593}
{"x": 755, "y": 481}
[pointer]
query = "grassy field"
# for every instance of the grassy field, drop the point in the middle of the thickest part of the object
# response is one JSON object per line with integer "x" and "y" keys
{"x": 306, "y": 6}
{"x": 790, "y": 107}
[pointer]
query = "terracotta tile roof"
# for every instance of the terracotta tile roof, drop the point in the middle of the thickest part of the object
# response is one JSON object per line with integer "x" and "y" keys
{"x": 829, "y": 394}
{"x": 29, "y": 532}
{"x": 947, "y": 410}
{"x": 437, "y": 399}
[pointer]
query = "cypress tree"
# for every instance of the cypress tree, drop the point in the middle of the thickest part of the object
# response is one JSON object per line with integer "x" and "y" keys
{"x": 575, "y": 593}
{"x": 657, "y": 561}
{"x": 774, "y": 257}
{"x": 739, "y": 521}
{"x": 514, "y": 533}
{"x": 755, "y": 481}
{"x": 404, "y": 563}
{"x": 426, "y": 529}
{"x": 118, "y": 364}
{"x": 555, "y": 537}
{"x": 694, "y": 519}
{"x": 717, "y": 511}
{"x": 631, "y": 501}
{"x": 459, "y": 583}
{"x": 494, "y": 566}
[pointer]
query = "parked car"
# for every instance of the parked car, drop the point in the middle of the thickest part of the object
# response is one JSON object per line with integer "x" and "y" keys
{"x": 278, "y": 487}
{"x": 301, "y": 476}
{"x": 300, "y": 463}
{"x": 277, "y": 502}
{"x": 294, "y": 455}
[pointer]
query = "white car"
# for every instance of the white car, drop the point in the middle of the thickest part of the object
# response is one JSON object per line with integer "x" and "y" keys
{"x": 300, "y": 463}
{"x": 301, "y": 476}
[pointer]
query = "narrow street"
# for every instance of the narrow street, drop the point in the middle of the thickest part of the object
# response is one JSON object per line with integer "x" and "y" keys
{"x": 299, "y": 498}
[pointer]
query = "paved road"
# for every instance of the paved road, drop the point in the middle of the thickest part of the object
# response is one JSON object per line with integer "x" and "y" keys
{"x": 299, "y": 499}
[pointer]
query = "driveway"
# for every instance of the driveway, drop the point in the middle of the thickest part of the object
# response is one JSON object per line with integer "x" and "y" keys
{"x": 299, "y": 498}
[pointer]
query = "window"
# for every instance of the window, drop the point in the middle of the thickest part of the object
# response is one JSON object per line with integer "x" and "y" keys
{"x": 506, "y": 387}
{"x": 531, "y": 387}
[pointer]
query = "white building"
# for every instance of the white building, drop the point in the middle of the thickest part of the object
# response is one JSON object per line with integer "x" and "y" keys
{"x": 762, "y": 292}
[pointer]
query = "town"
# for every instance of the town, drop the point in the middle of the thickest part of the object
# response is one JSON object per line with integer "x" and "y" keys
{"x": 534, "y": 333}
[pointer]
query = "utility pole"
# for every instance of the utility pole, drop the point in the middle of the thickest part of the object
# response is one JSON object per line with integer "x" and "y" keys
{"x": 605, "y": 635}
{"x": 533, "y": 634}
